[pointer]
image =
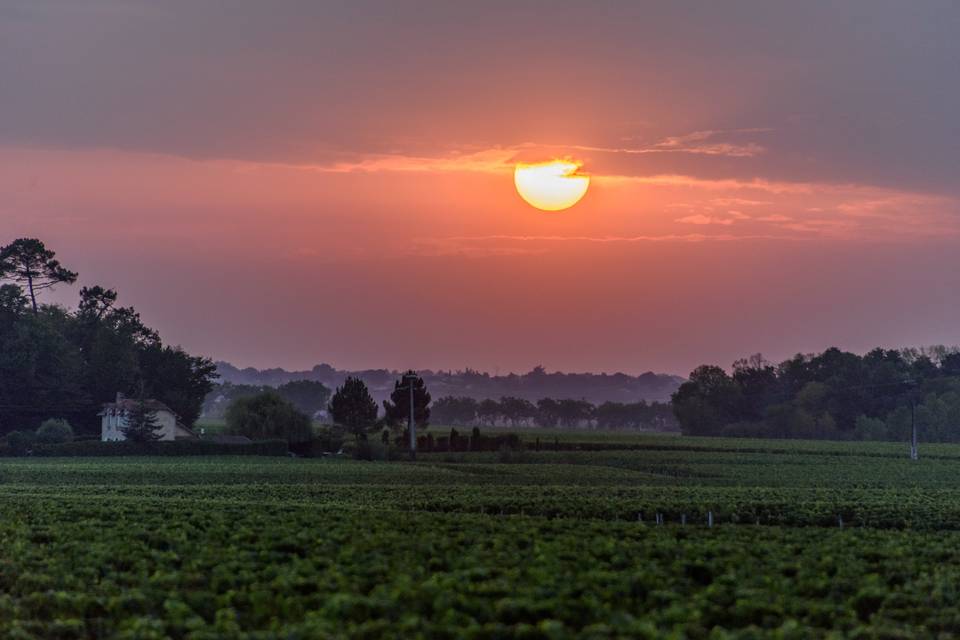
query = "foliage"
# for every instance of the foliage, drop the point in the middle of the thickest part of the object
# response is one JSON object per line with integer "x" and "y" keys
{"x": 397, "y": 408}
{"x": 306, "y": 395}
{"x": 140, "y": 422}
{"x": 178, "y": 379}
{"x": 549, "y": 413}
{"x": 532, "y": 385}
{"x": 832, "y": 395}
{"x": 454, "y": 410}
{"x": 254, "y": 548}
{"x": 27, "y": 262}
{"x": 69, "y": 363}
{"x": 20, "y": 442}
{"x": 353, "y": 408}
{"x": 268, "y": 416}
{"x": 96, "y": 448}
{"x": 54, "y": 431}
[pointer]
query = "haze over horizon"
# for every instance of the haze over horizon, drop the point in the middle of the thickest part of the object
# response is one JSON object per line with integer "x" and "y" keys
{"x": 288, "y": 184}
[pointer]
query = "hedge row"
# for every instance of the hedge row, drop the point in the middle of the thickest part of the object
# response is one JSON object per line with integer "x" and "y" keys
{"x": 174, "y": 448}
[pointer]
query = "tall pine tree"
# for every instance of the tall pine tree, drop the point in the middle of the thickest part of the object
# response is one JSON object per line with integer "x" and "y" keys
{"x": 142, "y": 424}
{"x": 397, "y": 408}
{"x": 28, "y": 262}
{"x": 353, "y": 407}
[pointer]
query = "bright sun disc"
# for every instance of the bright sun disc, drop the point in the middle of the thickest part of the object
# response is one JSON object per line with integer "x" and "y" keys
{"x": 551, "y": 186}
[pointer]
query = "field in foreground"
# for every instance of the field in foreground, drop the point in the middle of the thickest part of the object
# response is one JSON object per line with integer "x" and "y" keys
{"x": 810, "y": 540}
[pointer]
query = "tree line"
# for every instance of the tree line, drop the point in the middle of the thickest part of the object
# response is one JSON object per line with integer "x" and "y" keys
{"x": 532, "y": 385}
{"x": 308, "y": 396}
{"x": 551, "y": 413}
{"x": 831, "y": 395}
{"x": 65, "y": 363}
{"x": 279, "y": 413}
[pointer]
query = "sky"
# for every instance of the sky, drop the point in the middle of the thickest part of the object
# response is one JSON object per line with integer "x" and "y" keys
{"x": 287, "y": 183}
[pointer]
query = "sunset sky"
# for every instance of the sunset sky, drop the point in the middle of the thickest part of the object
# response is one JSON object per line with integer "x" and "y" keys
{"x": 282, "y": 184}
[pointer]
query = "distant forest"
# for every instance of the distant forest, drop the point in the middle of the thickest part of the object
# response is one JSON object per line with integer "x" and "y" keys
{"x": 311, "y": 398}
{"x": 595, "y": 388}
{"x": 830, "y": 395}
{"x": 551, "y": 413}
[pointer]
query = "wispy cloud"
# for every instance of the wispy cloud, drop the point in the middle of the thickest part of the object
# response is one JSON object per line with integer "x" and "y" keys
{"x": 705, "y": 142}
{"x": 502, "y": 159}
{"x": 507, "y": 244}
{"x": 738, "y": 202}
{"x": 495, "y": 160}
{"x": 701, "y": 219}
{"x": 712, "y": 184}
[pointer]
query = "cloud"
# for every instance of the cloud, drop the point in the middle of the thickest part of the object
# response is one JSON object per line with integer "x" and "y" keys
{"x": 106, "y": 184}
{"x": 697, "y": 142}
{"x": 495, "y": 160}
{"x": 501, "y": 159}
{"x": 507, "y": 244}
{"x": 738, "y": 202}
{"x": 699, "y": 218}
{"x": 713, "y": 184}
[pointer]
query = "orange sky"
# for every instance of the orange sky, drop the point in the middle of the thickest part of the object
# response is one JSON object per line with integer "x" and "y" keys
{"x": 286, "y": 187}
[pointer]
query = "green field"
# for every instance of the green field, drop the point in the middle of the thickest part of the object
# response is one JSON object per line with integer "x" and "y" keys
{"x": 809, "y": 540}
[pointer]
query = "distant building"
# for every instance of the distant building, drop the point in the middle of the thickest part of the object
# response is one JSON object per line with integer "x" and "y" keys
{"x": 113, "y": 420}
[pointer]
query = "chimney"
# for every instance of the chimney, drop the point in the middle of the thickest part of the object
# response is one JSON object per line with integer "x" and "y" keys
{"x": 119, "y": 397}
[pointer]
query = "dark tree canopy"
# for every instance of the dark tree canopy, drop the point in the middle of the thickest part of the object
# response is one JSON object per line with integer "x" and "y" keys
{"x": 353, "y": 407}
{"x": 177, "y": 379}
{"x": 141, "y": 424}
{"x": 26, "y": 261}
{"x": 306, "y": 395}
{"x": 12, "y": 301}
{"x": 62, "y": 363}
{"x": 397, "y": 408}
{"x": 267, "y": 416}
{"x": 54, "y": 431}
{"x": 551, "y": 413}
{"x": 454, "y": 410}
{"x": 834, "y": 394}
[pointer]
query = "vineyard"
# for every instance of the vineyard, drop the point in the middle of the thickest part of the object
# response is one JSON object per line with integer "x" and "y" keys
{"x": 758, "y": 539}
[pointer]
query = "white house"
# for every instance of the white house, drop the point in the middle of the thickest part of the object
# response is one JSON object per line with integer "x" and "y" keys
{"x": 113, "y": 418}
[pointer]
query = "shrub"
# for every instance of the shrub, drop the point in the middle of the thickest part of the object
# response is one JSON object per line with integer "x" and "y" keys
{"x": 363, "y": 450}
{"x": 268, "y": 416}
{"x": 510, "y": 455}
{"x": 327, "y": 441}
{"x": 20, "y": 442}
{"x": 54, "y": 431}
{"x": 159, "y": 448}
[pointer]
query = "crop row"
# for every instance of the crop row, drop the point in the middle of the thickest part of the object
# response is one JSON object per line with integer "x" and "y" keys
{"x": 154, "y": 569}
{"x": 607, "y": 468}
{"x": 889, "y": 508}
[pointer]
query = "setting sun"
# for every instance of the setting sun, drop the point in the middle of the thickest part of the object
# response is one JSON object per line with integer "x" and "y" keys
{"x": 551, "y": 186}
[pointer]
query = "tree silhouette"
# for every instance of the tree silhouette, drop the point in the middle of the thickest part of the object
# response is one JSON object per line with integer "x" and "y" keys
{"x": 353, "y": 407}
{"x": 267, "y": 415}
{"x": 28, "y": 262}
{"x": 141, "y": 423}
{"x": 397, "y": 408}
{"x": 12, "y": 300}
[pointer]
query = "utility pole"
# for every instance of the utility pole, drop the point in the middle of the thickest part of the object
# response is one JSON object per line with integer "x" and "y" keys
{"x": 412, "y": 427}
{"x": 914, "y": 454}
{"x": 914, "y": 450}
